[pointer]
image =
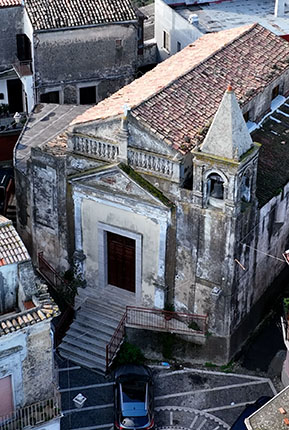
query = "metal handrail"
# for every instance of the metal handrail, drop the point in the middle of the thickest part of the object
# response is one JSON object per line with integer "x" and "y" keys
{"x": 158, "y": 320}
{"x": 114, "y": 344}
{"x": 32, "y": 415}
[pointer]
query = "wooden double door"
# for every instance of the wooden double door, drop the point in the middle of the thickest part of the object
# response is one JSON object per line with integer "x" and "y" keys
{"x": 121, "y": 261}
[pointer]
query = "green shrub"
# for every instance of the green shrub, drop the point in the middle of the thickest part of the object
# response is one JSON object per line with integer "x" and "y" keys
{"x": 168, "y": 340}
{"x": 194, "y": 326}
{"x": 129, "y": 354}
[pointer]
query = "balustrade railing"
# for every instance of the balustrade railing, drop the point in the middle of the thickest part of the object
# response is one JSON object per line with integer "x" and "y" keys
{"x": 115, "y": 342}
{"x": 32, "y": 415}
{"x": 95, "y": 148}
{"x": 49, "y": 273}
{"x": 150, "y": 162}
{"x": 158, "y": 320}
{"x": 161, "y": 320}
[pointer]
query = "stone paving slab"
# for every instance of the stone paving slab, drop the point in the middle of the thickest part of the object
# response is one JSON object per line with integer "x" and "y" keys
{"x": 192, "y": 399}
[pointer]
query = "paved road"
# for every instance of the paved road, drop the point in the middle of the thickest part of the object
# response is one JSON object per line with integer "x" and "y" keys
{"x": 184, "y": 399}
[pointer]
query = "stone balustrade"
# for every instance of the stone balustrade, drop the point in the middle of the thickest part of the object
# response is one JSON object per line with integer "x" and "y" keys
{"x": 94, "y": 148}
{"x": 150, "y": 162}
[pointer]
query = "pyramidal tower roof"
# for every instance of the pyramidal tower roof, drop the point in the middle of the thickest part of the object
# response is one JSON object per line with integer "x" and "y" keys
{"x": 228, "y": 135}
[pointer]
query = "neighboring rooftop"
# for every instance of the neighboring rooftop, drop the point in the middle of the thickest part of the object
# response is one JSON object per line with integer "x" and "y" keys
{"x": 179, "y": 96}
{"x": 273, "y": 165}
{"x": 41, "y": 308}
{"x": 12, "y": 249}
{"x": 222, "y": 15}
{"x": 53, "y": 14}
{"x": 274, "y": 415}
{"x": 10, "y": 3}
{"x": 149, "y": 22}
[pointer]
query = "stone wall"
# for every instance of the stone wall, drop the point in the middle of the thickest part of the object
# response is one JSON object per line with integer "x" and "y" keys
{"x": 104, "y": 56}
{"x": 37, "y": 366}
{"x": 11, "y": 24}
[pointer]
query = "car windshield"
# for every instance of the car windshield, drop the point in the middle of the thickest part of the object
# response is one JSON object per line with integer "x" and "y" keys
{"x": 134, "y": 391}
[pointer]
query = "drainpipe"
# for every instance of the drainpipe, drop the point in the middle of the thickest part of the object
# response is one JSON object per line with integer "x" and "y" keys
{"x": 279, "y": 8}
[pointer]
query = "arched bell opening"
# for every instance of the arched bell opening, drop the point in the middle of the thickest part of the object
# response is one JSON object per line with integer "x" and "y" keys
{"x": 215, "y": 190}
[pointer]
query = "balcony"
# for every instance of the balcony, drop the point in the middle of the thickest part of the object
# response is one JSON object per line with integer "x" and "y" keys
{"x": 32, "y": 415}
{"x": 23, "y": 68}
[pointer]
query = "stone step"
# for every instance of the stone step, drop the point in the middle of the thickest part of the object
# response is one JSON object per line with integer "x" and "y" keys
{"x": 112, "y": 312}
{"x": 110, "y": 309}
{"x": 78, "y": 327}
{"x": 109, "y": 295}
{"x": 95, "y": 320}
{"x": 92, "y": 336}
{"x": 89, "y": 356}
{"x": 81, "y": 344}
{"x": 82, "y": 360}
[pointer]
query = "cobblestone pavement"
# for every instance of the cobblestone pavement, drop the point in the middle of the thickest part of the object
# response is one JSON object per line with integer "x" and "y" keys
{"x": 184, "y": 399}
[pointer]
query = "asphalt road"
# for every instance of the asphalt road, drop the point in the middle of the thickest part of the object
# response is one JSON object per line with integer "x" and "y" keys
{"x": 187, "y": 398}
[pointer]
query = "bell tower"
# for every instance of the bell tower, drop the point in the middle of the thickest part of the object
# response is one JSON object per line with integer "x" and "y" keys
{"x": 224, "y": 185}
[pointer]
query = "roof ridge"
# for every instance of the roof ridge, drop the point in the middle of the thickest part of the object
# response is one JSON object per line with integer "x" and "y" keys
{"x": 252, "y": 26}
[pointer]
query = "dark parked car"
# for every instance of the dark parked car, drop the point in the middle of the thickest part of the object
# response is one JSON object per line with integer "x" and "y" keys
{"x": 133, "y": 398}
{"x": 239, "y": 424}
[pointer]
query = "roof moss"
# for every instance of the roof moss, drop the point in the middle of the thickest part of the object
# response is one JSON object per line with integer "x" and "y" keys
{"x": 146, "y": 185}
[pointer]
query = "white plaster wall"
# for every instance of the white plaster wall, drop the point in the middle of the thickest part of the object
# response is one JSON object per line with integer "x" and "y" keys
{"x": 179, "y": 29}
{"x": 13, "y": 351}
{"x": 3, "y": 89}
{"x": 28, "y": 81}
{"x": 94, "y": 212}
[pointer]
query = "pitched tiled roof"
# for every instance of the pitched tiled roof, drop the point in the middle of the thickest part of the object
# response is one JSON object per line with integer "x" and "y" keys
{"x": 12, "y": 249}
{"x": 49, "y": 14}
{"x": 10, "y": 3}
{"x": 43, "y": 308}
{"x": 178, "y": 97}
{"x": 161, "y": 76}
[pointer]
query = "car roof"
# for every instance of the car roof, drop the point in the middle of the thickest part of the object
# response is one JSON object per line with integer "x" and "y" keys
{"x": 132, "y": 371}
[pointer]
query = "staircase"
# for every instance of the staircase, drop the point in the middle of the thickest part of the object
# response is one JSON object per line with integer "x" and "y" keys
{"x": 97, "y": 317}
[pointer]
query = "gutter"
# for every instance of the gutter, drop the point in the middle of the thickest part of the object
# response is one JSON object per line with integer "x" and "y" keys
{"x": 135, "y": 21}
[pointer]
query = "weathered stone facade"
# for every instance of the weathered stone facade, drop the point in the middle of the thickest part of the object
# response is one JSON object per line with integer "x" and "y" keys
{"x": 200, "y": 217}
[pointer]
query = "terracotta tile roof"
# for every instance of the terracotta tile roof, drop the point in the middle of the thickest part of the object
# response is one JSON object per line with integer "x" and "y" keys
{"x": 10, "y": 3}
{"x": 12, "y": 249}
{"x": 178, "y": 97}
{"x": 161, "y": 76}
{"x": 44, "y": 309}
{"x": 72, "y": 13}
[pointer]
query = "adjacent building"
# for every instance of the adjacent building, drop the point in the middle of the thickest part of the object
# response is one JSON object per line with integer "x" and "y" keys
{"x": 175, "y": 188}
{"x": 179, "y": 23}
{"x": 59, "y": 52}
{"x": 27, "y": 382}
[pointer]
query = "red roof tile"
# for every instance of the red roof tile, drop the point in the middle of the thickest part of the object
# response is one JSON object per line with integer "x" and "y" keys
{"x": 10, "y": 3}
{"x": 12, "y": 249}
{"x": 73, "y": 13}
{"x": 179, "y": 96}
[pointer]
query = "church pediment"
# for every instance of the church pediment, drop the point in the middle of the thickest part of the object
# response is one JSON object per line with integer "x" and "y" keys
{"x": 118, "y": 182}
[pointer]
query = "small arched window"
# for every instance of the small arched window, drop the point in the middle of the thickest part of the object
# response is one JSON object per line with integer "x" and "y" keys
{"x": 215, "y": 189}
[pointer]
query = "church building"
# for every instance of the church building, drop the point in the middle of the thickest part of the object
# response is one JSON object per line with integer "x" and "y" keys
{"x": 175, "y": 188}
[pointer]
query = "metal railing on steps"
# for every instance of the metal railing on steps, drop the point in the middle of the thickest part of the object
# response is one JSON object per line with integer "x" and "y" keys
{"x": 157, "y": 320}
